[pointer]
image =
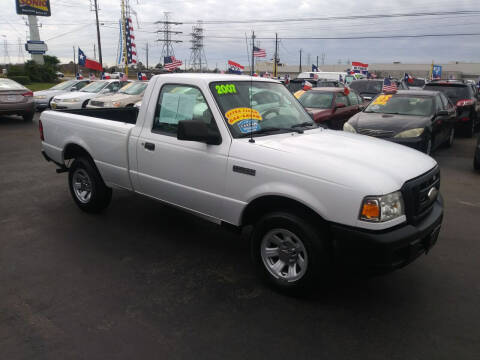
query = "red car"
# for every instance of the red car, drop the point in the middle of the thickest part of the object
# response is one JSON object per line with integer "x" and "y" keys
{"x": 332, "y": 106}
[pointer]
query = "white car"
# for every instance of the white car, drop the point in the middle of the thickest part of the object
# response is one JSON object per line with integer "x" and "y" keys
{"x": 80, "y": 99}
{"x": 313, "y": 197}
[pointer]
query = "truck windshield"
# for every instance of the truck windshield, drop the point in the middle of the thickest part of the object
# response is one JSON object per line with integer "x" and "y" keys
{"x": 94, "y": 87}
{"x": 401, "y": 105}
{"x": 258, "y": 106}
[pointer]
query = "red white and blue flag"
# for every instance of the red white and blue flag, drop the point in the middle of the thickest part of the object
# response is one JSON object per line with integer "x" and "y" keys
{"x": 389, "y": 86}
{"x": 86, "y": 62}
{"x": 170, "y": 63}
{"x": 235, "y": 68}
{"x": 141, "y": 76}
{"x": 408, "y": 78}
{"x": 257, "y": 52}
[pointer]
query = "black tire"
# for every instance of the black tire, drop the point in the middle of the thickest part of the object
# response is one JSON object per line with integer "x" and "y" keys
{"x": 85, "y": 103}
{"x": 317, "y": 251}
{"x": 428, "y": 147}
{"x": 28, "y": 117}
{"x": 469, "y": 129}
{"x": 476, "y": 162}
{"x": 100, "y": 194}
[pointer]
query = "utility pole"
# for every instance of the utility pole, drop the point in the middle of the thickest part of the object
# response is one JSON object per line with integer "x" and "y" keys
{"x": 317, "y": 62}
{"x": 275, "y": 59}
{"x": 98, "y": 34}
{"x": 300, "y": 66}
{"x": 21, "y": 57}
{"x": 94, "y": 52}
{"x": 253, "y": 58}
{"x": 147, "y": 55}
{"x": 198, "y": 54}
{"x": 323, "y": 58}
{"x": 74, "y": 63}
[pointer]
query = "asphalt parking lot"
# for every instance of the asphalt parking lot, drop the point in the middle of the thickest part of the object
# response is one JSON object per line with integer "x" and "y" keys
{"x": 144, "y": 281}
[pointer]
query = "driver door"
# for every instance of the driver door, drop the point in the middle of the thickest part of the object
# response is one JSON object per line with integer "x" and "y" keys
{"x": 189, "y": 174}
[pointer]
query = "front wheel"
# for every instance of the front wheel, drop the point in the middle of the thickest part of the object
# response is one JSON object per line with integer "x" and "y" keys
{"x": 87, "y": 187}
{"x": 428, "y": 146}
{"x": 289, "y": 252}
{"x": 470, "y": 126}
{"x": 451, "y": 137}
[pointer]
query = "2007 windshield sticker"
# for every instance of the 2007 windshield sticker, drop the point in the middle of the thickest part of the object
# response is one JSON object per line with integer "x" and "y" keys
{"x": 226, "y": 89}
{"x": 238, "y": 114}
{"x": 382, "y": 100}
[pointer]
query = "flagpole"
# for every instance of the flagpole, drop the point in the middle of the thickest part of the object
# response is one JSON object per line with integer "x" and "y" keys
{"x": 253, "y": 58}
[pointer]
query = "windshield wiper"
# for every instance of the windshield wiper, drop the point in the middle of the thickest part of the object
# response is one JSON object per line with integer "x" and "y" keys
{"x": 306, "y": 123}
{"x": 262, "y": 131}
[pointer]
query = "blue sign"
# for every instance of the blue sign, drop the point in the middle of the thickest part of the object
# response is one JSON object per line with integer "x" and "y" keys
{"x": 437, "y": 72}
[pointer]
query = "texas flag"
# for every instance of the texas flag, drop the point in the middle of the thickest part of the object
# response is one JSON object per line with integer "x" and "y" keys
{"x": 141, "y": 76}
{"x": 408, "y": 78}
{"x": 90, "y": 64}
{"x": 307, "y": 85}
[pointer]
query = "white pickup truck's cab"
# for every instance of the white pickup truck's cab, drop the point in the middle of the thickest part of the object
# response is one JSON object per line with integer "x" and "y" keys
{"x": 242, "y": 151}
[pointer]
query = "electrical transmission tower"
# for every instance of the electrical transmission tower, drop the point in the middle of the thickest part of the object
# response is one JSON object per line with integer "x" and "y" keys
{"x": 167, "y": 49}
{"x": 6, "y": 57}
{"x": 198, "y": 60}
{"x": 21, "y": 54}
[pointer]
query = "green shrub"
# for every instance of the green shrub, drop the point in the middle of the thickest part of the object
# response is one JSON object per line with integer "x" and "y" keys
{"x": 24, "y": 80}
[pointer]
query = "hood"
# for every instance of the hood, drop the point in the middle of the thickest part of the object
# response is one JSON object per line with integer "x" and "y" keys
{"x": 119, "y": 97}
{"x": 49, "y": 93}
{"x": 389, "y": 122}
{"x": 320, "y": 114}
{"x": 349, "y": 160}
{"x": 76, "y": 95}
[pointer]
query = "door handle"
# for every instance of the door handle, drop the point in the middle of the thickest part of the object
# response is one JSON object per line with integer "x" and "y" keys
{"x": 149, "y": 146}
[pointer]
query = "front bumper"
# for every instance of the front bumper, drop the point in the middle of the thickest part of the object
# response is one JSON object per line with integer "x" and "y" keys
{"x": 417, "y": 143}
{"x": 388, "y": 249}
{"x": 60, "y": 105}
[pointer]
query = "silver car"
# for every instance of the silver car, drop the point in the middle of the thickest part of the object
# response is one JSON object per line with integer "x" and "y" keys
{"x": 43, "y": 98}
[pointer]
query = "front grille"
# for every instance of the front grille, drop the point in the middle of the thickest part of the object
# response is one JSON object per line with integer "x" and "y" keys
{"x": 96, "y": 103}
{"x": 376, "y": 133}
{"x": 418, "y": 203}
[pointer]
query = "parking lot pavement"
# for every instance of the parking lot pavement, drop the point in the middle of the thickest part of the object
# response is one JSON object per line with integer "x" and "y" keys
{"x": 144, "y": 281}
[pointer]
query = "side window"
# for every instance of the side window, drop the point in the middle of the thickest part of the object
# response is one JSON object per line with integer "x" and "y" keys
{"x": 177, "y": 103}
{"x": 114, "y": 87}
{"x": 80, "y": 85}
{"x": 445, "y": 102}
{"x": 353, "y": 98}
{"x": 341, "y": 98}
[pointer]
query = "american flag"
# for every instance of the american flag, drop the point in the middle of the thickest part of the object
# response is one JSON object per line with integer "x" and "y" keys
{"x": 257, "y": 52}
{"x": 170, "y": 63}
{"x": 389, "y": 86}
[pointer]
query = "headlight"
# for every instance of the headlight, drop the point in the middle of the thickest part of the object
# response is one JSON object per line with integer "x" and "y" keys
{"x": 349, "y": 128}
{"x": 74, "y": 100}
{"x": 382, "y": 208}
{"x": 410, "y": 133}
{"x": 116, "y": 104}
{"x": 38, "y": 97}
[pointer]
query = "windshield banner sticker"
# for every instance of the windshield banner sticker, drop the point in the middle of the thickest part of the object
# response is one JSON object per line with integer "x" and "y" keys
{"x": 238, "y": 114}
{"x": 226, "y": 89}
{"x": 382, "y": 100}
{"x": 248, "y": 126}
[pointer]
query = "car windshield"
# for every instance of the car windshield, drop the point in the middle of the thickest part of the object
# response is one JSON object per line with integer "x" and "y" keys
{"x": 365, "y": 86}
{"x": 316, "y": 99}
{"x": 401, "y": 105}
{"x": 455, "y": 93}
{"x": 326, "y": 84}
{"x": 417, "y": 83}
{"x": 7, "y": 84}
{"x": 64, "y": 85}
{"x": 135, "y": 88}
{"x": 94, "y": 87}
{"x": 258, "y": 107}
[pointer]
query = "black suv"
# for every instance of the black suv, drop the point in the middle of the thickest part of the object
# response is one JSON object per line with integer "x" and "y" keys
{"x": 465, "y": 97}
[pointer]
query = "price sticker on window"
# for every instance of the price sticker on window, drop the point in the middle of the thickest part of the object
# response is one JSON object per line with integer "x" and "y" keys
{"x": 235, "y": 115}
{"x": 382, "y": 100}
{"x": 226, "y": 89}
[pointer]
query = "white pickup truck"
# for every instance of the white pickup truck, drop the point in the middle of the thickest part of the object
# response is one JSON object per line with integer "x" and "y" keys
{"x": 242, "y": 152}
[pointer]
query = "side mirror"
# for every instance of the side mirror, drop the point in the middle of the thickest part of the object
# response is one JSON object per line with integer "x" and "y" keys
{"x": 192, "y": 130}
{"x": 442, "y": 113}
{"x": 340, "y": 105}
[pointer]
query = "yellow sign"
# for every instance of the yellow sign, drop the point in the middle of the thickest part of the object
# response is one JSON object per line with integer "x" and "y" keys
{"x": 382, "y": 100}
{"x": 239, "y": 114}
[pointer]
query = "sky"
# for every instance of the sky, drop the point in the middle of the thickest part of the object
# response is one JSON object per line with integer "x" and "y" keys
{"x": 73, "y": 24}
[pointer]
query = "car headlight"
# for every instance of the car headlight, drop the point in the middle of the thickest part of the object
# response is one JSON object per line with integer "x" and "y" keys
{"x": 382, "y": 208}
{"x": 410, "y": 133}
{"x": 116, "y": 104}
{"x": 39, "y": 97}
{"x": 74, "y": 100}
{"x": 349, "y": 128}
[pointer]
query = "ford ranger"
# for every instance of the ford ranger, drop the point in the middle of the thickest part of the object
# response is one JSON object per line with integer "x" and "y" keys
{"x": 242, "y": 152}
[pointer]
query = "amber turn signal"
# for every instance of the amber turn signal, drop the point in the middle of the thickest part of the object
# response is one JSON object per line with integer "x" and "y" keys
{"x": 370, "y": 210}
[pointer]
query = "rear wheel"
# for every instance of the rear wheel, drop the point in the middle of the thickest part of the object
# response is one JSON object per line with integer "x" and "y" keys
{"x": 470, "y": 126}
{"x": 87, "y": 187}
{"x": 451, "y": 137}
{"x": 289, "y": 252}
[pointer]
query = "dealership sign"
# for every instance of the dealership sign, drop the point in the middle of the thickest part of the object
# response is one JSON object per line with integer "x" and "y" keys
{"x": 36, "y": 47}
{"x": 33, "y": 7}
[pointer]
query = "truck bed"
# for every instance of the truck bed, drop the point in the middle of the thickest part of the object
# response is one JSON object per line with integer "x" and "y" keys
{"x": 126, "y": 115}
